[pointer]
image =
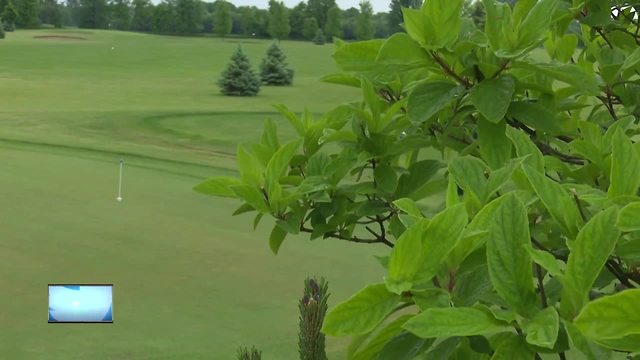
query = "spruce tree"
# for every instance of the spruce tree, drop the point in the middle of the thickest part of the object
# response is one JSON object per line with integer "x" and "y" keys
{"x": 9, "y": 16}
{"x": 274, "y": 69}
{"x": 249, "y": 354}
{"x": 313, "y": 308}
{"x": 238, "y": 79}
{"x": 319, "y": 38}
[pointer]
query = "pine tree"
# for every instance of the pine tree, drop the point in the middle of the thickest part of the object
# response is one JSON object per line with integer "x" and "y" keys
{"x": 313, "y": 308}
{"x": 319, "y": 38}
{"x": 238, "y": 79}
{"x": 274, "y": 70}
{"x": 249, "y": 354}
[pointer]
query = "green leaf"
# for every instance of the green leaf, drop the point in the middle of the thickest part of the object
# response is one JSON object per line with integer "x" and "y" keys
{"x": 452, "y": 192}
{"x": 567, "y": 73}
{"x": 280, "y": 161}
{"x": 537, "y": 22}
{"x": 440, "y": 237}
{"x": 249, "y": 167}
{"x": 406, "y": 257}
{"x": 543, "y": 328}
{"x": 629, "y": 217}
{"x": 408, "y": 206}
{"x": 429, "y": 97}
{"x": 358, "y": 56}
{"x": 293, "y": 119}
{"x": 404, "y": 346}
{"x": 434, "y": 297}
{"x": 470, "y": 173}
{"x": 632, "y": 60}
{"x": 625, "y": 166}
{"x": 566, "y": 47}
{"x": 342, "y": 79}
{"x": 386, "y": 178}
{"x": 270, "y": 136}
{"x": 446, "y": 20}
{"x": 492, "y": 97}
{"x": 418, "y": 25}
{"x": 362, "y": 312}
{"x": 400, "y": 49}
{"x": 556, "y": 199}
{"x": 276, "y": 238}
{"x": 513, "y": 348}
{"x": 535, "y": 115}
{"x": 495, "y": 147}
{"x": 591, "y": 350}
{"x": 545, "y": 259}
{"x": 611, "y": 317}
{"x": 526, "y": 147}
{"x": 218, "y": 186}
{"x": 419, "y": 174}
{"x": 252, "y": 196}
{"x": 509, "y": 262}
{"x": 380, "y": 339}
{"x": 498, "y": 18}
{"x": 458, "y": 321}
{"x": 589, "y": 253}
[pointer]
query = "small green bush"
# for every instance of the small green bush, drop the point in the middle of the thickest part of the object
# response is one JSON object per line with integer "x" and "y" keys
{"x": 274, "y": 69}
{"x": 239, "y": 79}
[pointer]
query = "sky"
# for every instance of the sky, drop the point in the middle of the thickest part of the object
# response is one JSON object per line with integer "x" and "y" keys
{"x": 378, "y": 5}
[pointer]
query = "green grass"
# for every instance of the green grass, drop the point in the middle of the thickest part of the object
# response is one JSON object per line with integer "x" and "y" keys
{"x": 191, "y": 281}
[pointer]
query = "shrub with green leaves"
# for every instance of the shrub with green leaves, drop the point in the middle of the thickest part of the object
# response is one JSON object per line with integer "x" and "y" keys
{"x": 319, "y": 38}
{"x": 239, "y": 79}
{"x": 499, "y": 167}
{"x": 274, "y": 69}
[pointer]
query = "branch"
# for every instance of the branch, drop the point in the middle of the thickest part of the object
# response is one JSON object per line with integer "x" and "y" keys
{"x": 548, "y": 150}
{"x": 355, "y": 239}
{"x": 543, "y": 295}
{"x": 602, "y": 34}
{"x": 447, "y": 69}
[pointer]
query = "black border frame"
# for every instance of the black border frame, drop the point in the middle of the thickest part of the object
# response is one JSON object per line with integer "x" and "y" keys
{"x": 80, "y": 322}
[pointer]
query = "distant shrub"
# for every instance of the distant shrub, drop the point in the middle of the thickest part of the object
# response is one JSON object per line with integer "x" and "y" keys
{"x": 319, "y": 38}
{"x": 239, "y": 79}
{"x": 249, "y": 354}
{"x": 274, "y": 70}
{"x": 1, "y": 30}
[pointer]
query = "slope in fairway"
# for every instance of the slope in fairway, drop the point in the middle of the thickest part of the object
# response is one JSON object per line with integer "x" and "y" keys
{"x": 191, "y": 281}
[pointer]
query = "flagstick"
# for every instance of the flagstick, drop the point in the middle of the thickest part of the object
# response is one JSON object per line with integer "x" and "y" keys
{"x": 119, "y": 198}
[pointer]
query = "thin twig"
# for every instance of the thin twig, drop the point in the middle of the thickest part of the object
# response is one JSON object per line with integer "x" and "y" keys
{"x": 543, "y": 295}
{"x": 447, "y": 69}
{"x": 355, "y": 239}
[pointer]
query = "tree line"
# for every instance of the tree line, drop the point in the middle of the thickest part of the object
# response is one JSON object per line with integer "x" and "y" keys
{"x": 303, "y": 21}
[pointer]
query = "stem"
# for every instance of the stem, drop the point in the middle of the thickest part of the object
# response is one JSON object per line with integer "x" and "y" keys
{"x": 575, "y": 197}
{"x": 447, "y": 69}
{"x": 602, "y": 34}
{"x": 335, "y": 235}
{"x": 562, "y": 356}
{"x": 543, "y": 295}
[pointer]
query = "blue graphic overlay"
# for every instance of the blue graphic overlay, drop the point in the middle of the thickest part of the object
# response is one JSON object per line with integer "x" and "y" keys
{"x": 80, "y": 303}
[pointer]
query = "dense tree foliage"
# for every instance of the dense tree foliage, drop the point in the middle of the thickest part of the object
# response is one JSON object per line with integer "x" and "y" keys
{"x": 28, "y": 13}
{"x": 2, "y": 34}
{"x": 395, "y": 12}
{"x": 319, "y": 9}
{"x": 310, "y": 28}
{"x": 142, "y": 15}
{"x": 278, "y": 20}
{"x": 120, "y": 15}
{"x": 222, "y": 20}
{"x": 94, "y": 14}
{"x": 9, "y": 16}
{"x": 501, "y": 173}
{"x": 364, "y": 24}
{"x": 333, "y": 27}
{"x": 239, "y": 79}
{"x": 274, "y": 69}
{"x": 297, "y": 17}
